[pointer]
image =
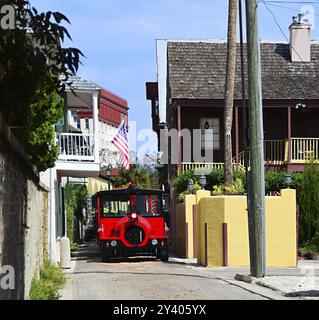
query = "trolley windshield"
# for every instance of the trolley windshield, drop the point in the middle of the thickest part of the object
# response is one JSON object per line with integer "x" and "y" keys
{"x": 117, "y": 205}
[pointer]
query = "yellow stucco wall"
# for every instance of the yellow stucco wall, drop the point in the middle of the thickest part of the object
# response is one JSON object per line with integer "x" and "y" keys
{"x": 95, "y": 185}
{"x": 280, "y": 230}
{"x": 190, "y": 200}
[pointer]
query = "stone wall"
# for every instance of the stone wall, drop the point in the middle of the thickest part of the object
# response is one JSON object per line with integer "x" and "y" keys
{"x": 23, "y": 218}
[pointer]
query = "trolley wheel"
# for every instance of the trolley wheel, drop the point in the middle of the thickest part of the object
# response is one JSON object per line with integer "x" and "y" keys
{"x": 105, "y": 255}
{"x": 164, "y": 254}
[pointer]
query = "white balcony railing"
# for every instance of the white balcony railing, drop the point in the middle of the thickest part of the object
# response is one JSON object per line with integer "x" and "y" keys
{"x": 75, "y": 146}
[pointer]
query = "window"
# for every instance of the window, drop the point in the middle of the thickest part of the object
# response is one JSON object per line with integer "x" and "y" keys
{"x": 210, "y": 133}
{"x": 78, "y": 122}
{"x": 115, "y": 208}
{"x": 87, "y": 125}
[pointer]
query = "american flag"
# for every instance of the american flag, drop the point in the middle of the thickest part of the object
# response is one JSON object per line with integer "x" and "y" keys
{"x": 121, "y": 143}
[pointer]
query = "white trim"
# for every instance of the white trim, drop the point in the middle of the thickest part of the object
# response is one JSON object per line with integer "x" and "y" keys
{"x": 161, "y": 49}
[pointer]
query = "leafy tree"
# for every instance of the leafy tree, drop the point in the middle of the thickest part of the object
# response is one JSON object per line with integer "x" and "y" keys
{"x": 143, "y": 176}
{"x": 35, "y": 70}
{"x": 75, "y": 201}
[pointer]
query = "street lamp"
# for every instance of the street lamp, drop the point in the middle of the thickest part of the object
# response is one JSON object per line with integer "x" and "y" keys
{"x": 202, "y": 181}
{"x": 108, "y": 172}
{"x": 288, "y": 180}
{"x": 190, "y": 186}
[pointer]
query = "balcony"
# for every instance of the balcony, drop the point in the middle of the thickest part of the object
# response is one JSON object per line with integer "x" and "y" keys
{"x": 77, "y": 155}
{"x": 75, "y": 147}
{"x": 79, "y": 152}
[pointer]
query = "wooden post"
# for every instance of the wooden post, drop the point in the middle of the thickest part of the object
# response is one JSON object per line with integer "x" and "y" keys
{"x": 225, "y": 245}
{"x": 289, "y": 135}
{"x": 237, "y": 135}
{"x": 257, "y": 183}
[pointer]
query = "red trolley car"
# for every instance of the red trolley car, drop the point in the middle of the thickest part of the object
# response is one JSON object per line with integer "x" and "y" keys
{"x": 132, "y": 222}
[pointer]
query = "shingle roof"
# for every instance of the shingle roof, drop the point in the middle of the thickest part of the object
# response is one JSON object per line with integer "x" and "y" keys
{"x": 78, "y": 83}
{"x": 197, "y": 70}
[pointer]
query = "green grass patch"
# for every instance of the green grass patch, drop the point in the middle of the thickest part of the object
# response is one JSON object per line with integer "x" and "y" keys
{"x": 48, "y": 285}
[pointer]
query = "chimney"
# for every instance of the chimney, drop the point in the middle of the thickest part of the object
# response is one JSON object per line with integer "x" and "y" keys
{"x": 300, "y": 39}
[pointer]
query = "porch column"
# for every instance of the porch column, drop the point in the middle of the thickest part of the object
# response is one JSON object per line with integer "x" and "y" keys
{"x": 179, "y": 128}
{"x": 289, "y": 135}
{"x": 237, "y": 134}
{"x": 95, "y": 103}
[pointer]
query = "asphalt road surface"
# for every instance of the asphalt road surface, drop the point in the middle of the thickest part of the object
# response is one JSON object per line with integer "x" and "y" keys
{"x": 149, "y": 279}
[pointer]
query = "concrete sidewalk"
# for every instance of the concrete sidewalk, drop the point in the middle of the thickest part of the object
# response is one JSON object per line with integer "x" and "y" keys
{"x": 301, "y": 282}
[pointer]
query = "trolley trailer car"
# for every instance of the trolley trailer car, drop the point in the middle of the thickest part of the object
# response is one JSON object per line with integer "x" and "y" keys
{"x": 132, "y": 222}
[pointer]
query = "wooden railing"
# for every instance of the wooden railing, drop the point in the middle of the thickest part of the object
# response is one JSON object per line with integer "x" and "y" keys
{"x": 207, "y": 166}
{"x": 75, "y": 147}
{"x": 304, "y": 149}
{"x": 274, "y": 151}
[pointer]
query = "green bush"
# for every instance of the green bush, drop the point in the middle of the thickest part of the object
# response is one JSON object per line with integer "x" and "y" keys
{"x": 215, "y": 178}
{"x": 309, "y": 204}
{"x": 48, "y": 285}
{"x": 181, "y": 196}
{"x": 274, "y": 181}
{"x": 180, "y": 182}
{"x": 235, "y": 189}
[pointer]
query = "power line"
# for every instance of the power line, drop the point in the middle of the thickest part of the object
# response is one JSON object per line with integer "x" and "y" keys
{"x": 291, "y": 9}
{"x": 281, "y": 30}
{"x": 293, "y": 2}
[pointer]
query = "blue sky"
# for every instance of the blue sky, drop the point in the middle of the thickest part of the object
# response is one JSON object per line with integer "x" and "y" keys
{"x": 118, "y": 37}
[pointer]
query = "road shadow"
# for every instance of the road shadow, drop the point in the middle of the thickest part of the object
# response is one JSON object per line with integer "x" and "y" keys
{"x": 90, "y": 253}
{"x": 308, "y": 293}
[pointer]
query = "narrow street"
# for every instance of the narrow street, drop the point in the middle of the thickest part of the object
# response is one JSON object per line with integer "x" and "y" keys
{"x": 150, "y": 279}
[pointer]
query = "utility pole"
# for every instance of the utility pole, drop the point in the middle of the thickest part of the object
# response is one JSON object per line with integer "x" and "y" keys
{"x": 229, "y": 89}
{"x": 256, "y": 142}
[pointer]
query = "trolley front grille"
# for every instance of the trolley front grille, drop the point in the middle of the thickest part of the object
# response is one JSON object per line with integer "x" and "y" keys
{"x": 134, "y": 235}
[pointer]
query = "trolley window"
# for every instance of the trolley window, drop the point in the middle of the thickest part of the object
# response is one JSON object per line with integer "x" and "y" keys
{"x": 149, "y": 204}
{"x": 113, "y": 208}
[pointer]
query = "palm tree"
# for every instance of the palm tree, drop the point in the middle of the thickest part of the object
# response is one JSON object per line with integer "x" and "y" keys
{"x": 229, "y": 90}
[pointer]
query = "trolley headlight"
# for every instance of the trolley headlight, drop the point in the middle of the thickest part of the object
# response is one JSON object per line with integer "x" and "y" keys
{"x": 114, "y": 243}
{"x": 154, "y": 242}
{"x": 134, "y": 215}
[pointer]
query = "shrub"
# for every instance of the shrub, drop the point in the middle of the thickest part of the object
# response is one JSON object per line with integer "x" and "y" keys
{"x": 180, "y": 182}
{"x": 181, "y": 196}
{"x": 48, "y": 285}
{"x": 236, "y": 188}
{"x": 274, "y": 181}
{"x": 309, "y": 204}
{"x": 215, "y": 178}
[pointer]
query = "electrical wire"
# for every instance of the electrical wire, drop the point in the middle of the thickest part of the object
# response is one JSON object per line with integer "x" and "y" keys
{"x": 288, "y": 8}
{"x": 281, "y": 30}
{"x": 293, "y": 2}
